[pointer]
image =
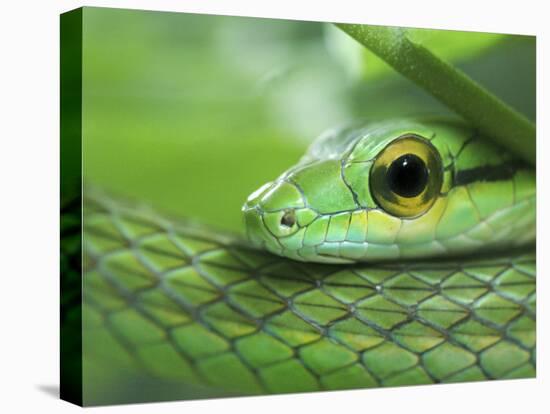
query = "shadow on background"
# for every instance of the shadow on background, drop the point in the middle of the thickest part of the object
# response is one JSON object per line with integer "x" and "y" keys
{"x": 49, "y": 389}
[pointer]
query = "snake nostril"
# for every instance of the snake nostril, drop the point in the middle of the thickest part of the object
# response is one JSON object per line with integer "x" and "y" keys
{"x": 288, "y": 219}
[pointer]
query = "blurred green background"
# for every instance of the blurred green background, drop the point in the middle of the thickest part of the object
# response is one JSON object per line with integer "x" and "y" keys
{"x": 191, "y": 113}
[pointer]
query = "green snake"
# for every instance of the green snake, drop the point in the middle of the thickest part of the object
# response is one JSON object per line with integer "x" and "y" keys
{"x": 396, "y": 190}
{"x": 401, "y": 252}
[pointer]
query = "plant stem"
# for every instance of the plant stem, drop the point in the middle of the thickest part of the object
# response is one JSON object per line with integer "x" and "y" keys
{"x": 451, "y": 86}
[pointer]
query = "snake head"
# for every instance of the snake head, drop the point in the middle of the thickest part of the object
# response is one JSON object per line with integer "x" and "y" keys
{"x": 392, "y": 191}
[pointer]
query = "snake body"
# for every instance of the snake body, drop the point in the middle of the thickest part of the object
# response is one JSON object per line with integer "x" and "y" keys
{"x": 447, "y": 300}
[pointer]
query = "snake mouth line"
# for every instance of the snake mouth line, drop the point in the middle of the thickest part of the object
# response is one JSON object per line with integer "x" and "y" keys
{"x": 329, "y": 256}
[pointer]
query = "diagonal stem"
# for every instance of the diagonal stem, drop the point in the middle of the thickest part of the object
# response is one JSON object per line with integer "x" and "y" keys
{"x": 494, "y": 118}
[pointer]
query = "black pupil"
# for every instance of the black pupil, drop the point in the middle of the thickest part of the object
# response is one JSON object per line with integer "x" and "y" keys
{"x": 407, "y": 176}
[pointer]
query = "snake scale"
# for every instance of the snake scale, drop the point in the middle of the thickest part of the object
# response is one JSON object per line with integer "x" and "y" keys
{"x": 443, "y": 298}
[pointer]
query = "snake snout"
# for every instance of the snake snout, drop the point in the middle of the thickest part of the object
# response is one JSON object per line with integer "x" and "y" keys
{"x": 271, "y": 212}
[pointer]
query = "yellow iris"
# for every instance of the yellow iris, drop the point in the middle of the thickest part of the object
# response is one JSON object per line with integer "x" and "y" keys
{"x": 407, "y": 176}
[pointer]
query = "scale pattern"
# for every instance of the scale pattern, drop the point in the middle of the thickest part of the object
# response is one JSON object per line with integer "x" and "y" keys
{"x": 192, "y": 306}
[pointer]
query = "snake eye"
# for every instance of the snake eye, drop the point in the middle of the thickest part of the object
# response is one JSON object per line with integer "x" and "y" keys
{"x": 406, "y": 177}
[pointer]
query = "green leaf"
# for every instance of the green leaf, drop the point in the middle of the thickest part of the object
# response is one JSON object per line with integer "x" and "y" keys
{"x": 406, "y": 52}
